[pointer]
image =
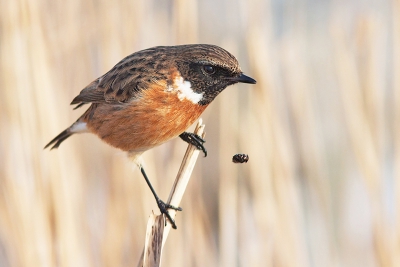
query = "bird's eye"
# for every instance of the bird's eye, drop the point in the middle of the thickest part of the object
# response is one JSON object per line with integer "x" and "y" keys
{"x": 209, "y": 69}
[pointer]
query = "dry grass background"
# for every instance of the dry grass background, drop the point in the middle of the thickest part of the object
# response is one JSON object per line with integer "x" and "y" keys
{"x": 322, "y": 128}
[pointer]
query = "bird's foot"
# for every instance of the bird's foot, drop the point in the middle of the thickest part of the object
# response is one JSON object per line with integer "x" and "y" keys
{"x": 195, "y": 140}
{"x": 164, "y": 210}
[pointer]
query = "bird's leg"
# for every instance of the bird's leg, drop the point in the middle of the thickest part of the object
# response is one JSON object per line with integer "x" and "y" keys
{"x": 195, "y": 140}
{"x": 161, "y": 204}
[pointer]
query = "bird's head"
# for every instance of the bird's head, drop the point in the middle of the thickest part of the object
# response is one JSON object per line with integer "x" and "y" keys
{"x": 209, "y": 69}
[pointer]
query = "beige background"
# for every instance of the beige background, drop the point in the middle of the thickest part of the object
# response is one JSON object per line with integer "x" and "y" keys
{"x": 321, "y": 127}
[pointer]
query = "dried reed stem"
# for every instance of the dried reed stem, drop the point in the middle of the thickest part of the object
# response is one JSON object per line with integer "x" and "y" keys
{"x": 157, "y": 232}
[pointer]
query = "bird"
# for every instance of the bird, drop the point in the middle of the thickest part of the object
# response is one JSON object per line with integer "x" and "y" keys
{"x": 153, "y": 96}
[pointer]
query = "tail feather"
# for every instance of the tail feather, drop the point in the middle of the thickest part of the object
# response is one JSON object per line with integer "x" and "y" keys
{"x": 77, "y": 127}
{"x": 59, "y": 139}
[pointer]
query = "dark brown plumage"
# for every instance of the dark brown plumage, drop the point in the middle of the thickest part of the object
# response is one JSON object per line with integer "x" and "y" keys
{"x": 137, "y": 71}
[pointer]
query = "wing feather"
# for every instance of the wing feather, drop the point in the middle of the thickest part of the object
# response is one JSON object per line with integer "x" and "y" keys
{"x": 123, "y": 82}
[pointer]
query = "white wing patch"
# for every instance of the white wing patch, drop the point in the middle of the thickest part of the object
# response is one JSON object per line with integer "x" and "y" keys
{"x": 78, "y": 127}
{"x": 184, "y": 90}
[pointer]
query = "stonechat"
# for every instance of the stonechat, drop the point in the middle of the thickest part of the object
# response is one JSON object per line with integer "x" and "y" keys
{"x": 152, "y": 96}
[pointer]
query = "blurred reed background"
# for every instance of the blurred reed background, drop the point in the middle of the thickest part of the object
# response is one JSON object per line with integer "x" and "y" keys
{"x": 321, "y": 127}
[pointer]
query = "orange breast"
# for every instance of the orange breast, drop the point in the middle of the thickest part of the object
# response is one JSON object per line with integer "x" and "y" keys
{"x": 152, "y": 119}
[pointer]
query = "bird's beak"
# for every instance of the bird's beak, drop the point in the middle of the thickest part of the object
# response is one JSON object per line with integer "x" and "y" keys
{"x": 244, "y": 79}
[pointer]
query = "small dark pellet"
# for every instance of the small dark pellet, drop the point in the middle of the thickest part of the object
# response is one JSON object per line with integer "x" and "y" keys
{"x": 240, "y": 158}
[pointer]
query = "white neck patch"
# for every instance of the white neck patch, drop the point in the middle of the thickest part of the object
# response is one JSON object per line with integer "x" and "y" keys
{"x": 184, "y": 90}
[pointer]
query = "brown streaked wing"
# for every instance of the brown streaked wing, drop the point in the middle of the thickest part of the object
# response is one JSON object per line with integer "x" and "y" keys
{"x": 122, "y": 83}
{"x": 89, "y": 94}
